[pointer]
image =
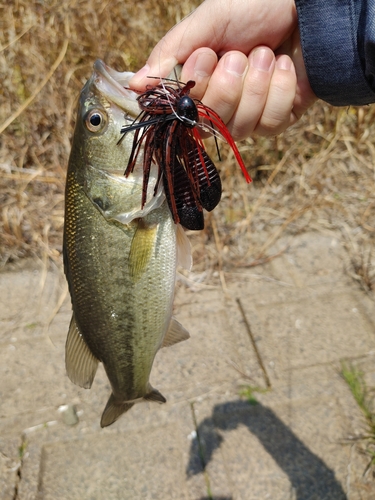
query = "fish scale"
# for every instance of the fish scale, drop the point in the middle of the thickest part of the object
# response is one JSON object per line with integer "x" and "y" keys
{"x": 120, "y": 259}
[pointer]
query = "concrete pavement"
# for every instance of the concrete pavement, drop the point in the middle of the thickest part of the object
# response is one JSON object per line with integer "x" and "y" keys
{"x": 302, "y": 316}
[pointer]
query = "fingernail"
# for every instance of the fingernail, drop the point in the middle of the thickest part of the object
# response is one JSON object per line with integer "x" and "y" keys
{"x": 205, "y": 64}
{"x": 284, "y": 62}
{"x": 143, "y": 72}
{"x": 261, "y": 59}
{"x": 236, "y": 64}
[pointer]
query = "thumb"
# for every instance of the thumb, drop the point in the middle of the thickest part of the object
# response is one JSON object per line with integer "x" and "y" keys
{"x": 177, "y": 45}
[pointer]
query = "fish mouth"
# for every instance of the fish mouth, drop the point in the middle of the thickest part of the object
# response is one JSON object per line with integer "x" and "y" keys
{"x": 114, "y": 85}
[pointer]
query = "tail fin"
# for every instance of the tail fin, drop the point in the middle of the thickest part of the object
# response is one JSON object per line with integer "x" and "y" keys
{"x": 113, "y": 411}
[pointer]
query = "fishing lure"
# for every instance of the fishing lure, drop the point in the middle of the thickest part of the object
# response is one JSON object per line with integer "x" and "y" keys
{"x": 167, "y": 126}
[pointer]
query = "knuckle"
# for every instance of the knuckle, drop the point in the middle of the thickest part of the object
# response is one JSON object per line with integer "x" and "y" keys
{"x": 256, "y": 88}
{"x": 272, "y": 125}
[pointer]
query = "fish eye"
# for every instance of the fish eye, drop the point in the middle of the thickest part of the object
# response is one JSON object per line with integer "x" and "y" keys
{"x": 95, "y": 120}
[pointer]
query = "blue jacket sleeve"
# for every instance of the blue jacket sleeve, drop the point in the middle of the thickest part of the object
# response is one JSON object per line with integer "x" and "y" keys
{"x": 338, "y": 45}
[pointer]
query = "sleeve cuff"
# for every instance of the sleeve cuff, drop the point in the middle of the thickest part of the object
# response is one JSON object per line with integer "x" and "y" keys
{"x": 330, "y": 46}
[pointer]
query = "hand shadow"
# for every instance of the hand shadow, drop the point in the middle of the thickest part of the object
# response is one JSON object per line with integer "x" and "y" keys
{"x": 310, "y": 477}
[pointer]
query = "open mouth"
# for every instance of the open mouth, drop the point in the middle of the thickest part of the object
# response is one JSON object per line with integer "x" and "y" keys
{"x": 114, "y": 85}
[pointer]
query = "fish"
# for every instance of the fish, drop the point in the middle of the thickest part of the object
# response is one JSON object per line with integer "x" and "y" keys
{"x": 120, "y": 256}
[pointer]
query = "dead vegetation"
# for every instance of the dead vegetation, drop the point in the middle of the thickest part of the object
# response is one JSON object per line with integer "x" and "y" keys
{"x": 318, "y": 175}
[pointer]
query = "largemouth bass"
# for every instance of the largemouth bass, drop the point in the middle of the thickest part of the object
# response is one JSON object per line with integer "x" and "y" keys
{"x": 120, "y": 259}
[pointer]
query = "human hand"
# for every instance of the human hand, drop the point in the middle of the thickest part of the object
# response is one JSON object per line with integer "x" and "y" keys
{"x": 246, "y": 59}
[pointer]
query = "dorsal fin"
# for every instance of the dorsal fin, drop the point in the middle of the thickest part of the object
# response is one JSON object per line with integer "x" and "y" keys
{"x": 176, "y": 333}
{"x": 81, "y": 364}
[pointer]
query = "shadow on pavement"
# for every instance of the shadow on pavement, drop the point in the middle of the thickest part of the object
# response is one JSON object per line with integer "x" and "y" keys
{"x": 308, "y": 474}
{"x": 216, "y": 498}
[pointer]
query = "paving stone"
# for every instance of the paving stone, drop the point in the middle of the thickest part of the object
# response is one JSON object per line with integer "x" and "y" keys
{"x": 297, "y": 448}
{"x": 360, "y": 483}
{"x": 312, "y": 259}
{"x": 366, "y": 304}
{"x": 59, "y": 454}
{"x": 218, "y": 351}
{"x": 9, "y": 467}
{"x": 99, "y": 467}
{"x": 28, "y": 302}
{"x": 306, "y": 332}
{"x": 305, "y": 316}
{"x": 308, "y": 265}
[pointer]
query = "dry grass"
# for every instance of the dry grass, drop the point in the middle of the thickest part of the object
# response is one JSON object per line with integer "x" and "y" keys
{"x": 319, "y": 175}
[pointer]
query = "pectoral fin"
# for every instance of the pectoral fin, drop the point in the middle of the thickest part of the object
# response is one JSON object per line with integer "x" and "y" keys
{"x": 141, "y": 249}
{"x": 81, "y": 364}
{"x": 176, "y": 333}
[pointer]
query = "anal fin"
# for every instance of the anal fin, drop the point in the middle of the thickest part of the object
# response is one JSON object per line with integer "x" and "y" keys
{"x": 176, "y": 333}
{"x": 154, "y": 395}
{"x": 81, "y": 364}
{"x": 113, "y": 411}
